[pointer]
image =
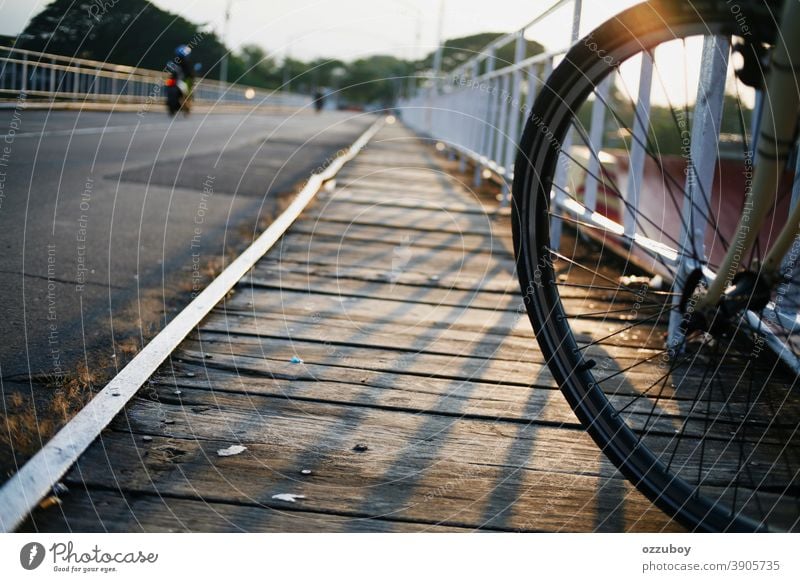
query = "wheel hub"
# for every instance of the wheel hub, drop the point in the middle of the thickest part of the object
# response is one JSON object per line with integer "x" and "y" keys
{"x": 748, "y": 291}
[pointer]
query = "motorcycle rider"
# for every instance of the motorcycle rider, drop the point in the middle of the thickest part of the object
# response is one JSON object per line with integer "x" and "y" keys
{"x": 182, "y": 68}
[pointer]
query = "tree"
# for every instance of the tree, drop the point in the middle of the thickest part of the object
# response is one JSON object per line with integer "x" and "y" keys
{"x": 134, "y": 32}
{"x": 258, "y": 69}
{"x": 375, "y": 80}
{"x": 456, "y": 51}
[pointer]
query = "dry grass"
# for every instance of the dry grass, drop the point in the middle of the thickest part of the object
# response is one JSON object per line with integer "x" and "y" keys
{"x": 189, "y": 285}
{"x": 128, "y": 347}
{"x": 27, "y": 421}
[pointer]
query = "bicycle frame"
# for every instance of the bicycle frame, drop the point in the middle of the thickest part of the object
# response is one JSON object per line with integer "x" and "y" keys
{"x": 777, "y": 126}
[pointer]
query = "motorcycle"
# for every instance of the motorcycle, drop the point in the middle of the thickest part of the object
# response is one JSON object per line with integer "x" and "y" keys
{"x": 176, "y": 91}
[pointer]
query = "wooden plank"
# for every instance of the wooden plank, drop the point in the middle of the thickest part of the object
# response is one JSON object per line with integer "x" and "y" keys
{"x": 453, "y": 341}
{"x": 396, "y": 258}
{"x": 423, "y": 220}
{"x": 271, "y": 268}
{"x": 424, "y": 198}
{"x": 251, "y": 301}
{"x": 367, "y": 197}
{"x": 343, "y": 269}
{"x": 415, "y": 469}
{"x": 381, "y": 390}
{"x": 261, "y": 357}
{"x": 99, "y": 510}
{"x": 355, "y": 234}
{"x": 597, "y": 309}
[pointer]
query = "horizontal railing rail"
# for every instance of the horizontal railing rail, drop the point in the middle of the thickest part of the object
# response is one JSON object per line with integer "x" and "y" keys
{"x": 57, "y": 77}
{"x": 479, "y": 109}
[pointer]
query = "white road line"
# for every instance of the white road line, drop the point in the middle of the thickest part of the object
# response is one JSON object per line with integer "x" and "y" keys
{"x": 38, "y": 476}
{"x": 82, "y": 131}
{"x": 90, "y": 130}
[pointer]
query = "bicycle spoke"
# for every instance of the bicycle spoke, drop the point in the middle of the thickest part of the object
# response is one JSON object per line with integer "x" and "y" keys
{"x": 605, "y": 278}
{"x": 704, "y": 423}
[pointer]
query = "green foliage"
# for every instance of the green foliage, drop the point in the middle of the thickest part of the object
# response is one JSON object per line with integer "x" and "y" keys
{"x": 458, "y": 50}
{"x": 133, "y": 32}
{"x": 666, "y": 125}
{"x": 375, "y": 80}
{"x": 252, "y": 66}
{"x": 138, "y": 33}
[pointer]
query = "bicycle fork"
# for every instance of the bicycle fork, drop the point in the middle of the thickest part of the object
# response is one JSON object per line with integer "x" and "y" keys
{"x": 776, "y": 136}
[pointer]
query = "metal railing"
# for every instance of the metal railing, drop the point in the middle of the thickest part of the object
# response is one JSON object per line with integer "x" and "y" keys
{"x": 59, "y": 78}
{"x": 479, "y": 109}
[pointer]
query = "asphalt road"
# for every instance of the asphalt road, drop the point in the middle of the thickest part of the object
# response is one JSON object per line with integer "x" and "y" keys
{"x": 106, "y": 219}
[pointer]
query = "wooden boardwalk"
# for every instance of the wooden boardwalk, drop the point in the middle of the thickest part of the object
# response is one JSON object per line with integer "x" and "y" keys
{"x": 420, "y": 402}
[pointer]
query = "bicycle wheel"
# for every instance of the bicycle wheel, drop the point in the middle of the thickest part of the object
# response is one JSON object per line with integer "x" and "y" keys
{"x": 707, "y": 428}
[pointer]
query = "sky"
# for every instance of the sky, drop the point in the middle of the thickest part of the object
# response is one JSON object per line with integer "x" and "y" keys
{"x": 349, "y": 29}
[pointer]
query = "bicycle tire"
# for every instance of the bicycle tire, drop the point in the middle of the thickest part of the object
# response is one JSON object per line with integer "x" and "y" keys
{"x": 640, "y": 28}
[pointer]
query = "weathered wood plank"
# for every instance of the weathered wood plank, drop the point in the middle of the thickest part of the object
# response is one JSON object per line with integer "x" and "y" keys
{"x": 418, "y": 199}
{"x": 383, "y": 390}
{"x": 99, "y": 510}
{"x": 415, "y": 469}
{"x": 376, "y": 288}
{"x": 368, "y": 234}
{"x": 396, "y": 258}
{"x": 421, "y": 220}
{"x": 425, "y": 395}
{"x": 344, "y": 269}
{"x": 253, "y": 301}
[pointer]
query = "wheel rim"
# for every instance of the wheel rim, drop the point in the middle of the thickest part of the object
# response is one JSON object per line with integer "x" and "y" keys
{"x": 704, "y": 440}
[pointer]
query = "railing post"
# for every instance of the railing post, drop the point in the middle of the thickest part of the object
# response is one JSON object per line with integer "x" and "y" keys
{"x": 485, "y": 124}
{"x": 705, "y": 138}
{"x": 475, "y": 109}
{"x": 502, "y": 120}
{"x": 533, "y": 87}
{"x": 638, "y": 149}
{"x": 701, "y": 169}
{"x": 24, "y": 83}
{"x": 460, "y": 115}
{"x": 594, "y": 168}
{"x": 493, "y": 115}
{"x": 791, "y": 266}
{"x": 513, "y": 127}
{"x": 13, "y": 74}
{"x": 562, "y": 176}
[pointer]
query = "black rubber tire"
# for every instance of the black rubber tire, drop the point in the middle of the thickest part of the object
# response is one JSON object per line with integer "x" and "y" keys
{"x": 641, "y": 27}
{"x": 173, "y": 100}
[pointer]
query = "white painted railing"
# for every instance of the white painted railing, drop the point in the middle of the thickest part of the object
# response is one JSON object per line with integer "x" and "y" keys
{"x": 478, "y": 112}
{"x": 479, "y": 109}
{"x": 56, "y": 77}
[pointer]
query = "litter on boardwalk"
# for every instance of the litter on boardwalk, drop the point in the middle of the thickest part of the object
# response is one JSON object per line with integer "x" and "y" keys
{"x": 290, "y": 497}
{"x": 231, "y": 450}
